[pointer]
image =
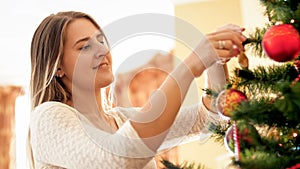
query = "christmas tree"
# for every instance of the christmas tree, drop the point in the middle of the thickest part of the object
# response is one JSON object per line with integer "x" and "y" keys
{"x": 262, "y": 105}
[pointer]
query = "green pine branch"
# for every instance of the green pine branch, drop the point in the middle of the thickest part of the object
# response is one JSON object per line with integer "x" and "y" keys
{"x": 297, "y": 17}
{"x": 263, "y": 80}
{"x": 256, "y": 146}
{"x": 254, "y": 159}
{"x": 281, "y": 111}
{"x": 278, "y": 10}
{"x": 254, "y": 42}
{"x": 219, "y": 133}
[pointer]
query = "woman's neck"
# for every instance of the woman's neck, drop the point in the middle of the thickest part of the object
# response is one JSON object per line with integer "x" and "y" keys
{"x": 86, "y": 101}
{"x": 90, "y": 105}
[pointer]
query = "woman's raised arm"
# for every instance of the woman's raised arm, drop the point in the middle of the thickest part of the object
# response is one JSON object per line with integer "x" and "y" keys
{"x": 159, "y": 113}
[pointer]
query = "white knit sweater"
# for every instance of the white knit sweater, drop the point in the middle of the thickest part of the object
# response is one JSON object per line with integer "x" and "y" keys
{"x": 60, "y": 138}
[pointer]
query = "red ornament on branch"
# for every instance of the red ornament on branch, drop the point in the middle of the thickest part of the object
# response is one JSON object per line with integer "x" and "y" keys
{"x": 228, "y": 100}
{"x": 281, "y": 43}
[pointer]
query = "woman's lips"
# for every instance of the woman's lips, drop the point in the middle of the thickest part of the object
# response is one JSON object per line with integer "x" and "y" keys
{"x": 102, "y": 66}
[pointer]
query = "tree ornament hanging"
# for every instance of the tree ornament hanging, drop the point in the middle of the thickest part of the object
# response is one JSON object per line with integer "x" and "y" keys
{"x": 240, "y": 136}
{"x": 281, "y": 43}
{"x": 243, "y": 60}
{"x": 232, "y": 141}
{"x": 228, "y": 100}
{"x": 296, "y": 166}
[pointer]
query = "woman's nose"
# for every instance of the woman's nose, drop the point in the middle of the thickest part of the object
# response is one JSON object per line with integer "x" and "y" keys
{"x": 98, "y": 58}
{"x": 102, "y": 50}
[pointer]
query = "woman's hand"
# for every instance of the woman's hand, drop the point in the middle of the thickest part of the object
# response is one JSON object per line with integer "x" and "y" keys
{"x": 225, "y": 43}
{"x": 227, "y": 40}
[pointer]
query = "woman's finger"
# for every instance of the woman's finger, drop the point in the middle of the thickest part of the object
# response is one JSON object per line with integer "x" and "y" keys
{"x": 227, "y": 36}
{"x": 227, "y": 53}
{"x": 223, "y": 44}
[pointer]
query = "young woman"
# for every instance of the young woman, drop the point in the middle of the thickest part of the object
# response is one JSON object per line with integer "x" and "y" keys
{"x": 71, "y": 128}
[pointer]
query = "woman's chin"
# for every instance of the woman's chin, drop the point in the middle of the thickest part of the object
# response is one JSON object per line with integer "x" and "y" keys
{"x": 104, "y": 82}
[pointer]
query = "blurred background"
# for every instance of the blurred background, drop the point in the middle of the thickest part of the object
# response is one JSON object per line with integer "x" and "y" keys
{"x": 134, "y": 80}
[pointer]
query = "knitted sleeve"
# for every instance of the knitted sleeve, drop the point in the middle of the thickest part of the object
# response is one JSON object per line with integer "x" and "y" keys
{"x": 192, "y": 123}
{"x": 58, "y": 138}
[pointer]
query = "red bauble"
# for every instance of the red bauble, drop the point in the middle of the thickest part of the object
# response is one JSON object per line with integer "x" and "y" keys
{"x": 281, "y": 42}
{"x": 228, "y": 100}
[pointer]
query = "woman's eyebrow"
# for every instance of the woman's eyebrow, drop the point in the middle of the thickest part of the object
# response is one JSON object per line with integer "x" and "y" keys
{"x": 87, "y": 38}
{"x": 81, "y": 40}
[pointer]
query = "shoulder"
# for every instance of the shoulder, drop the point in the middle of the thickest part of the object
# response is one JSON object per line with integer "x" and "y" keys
{"x": 49, "y": 111}
{"x": 51, "y": 105}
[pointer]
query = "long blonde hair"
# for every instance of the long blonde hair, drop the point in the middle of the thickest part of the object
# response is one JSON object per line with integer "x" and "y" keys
{"x": 46, "y": 53}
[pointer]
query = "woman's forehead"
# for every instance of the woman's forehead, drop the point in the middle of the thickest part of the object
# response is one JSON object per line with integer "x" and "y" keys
{"x": 81, "y": 28}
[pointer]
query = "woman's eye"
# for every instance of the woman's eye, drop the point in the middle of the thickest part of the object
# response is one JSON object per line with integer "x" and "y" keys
{"x": 101, "y": 40}
{"x": 85, "y": 47}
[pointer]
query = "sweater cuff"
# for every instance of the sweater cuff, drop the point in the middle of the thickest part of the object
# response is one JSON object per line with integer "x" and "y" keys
{"x": 213, "y": 117}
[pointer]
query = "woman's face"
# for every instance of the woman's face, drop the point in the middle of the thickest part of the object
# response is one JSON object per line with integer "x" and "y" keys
{"x": 86, "y": 62}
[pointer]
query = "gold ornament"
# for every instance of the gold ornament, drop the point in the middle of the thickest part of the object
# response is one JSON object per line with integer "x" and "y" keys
{"x": 243, "y": 60}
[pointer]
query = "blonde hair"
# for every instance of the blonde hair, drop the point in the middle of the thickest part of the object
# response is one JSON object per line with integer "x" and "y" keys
{"x": 46, "y": 53}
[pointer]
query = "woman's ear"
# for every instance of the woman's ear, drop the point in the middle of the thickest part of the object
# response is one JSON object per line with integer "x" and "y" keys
{"x": 59, "y": 73}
